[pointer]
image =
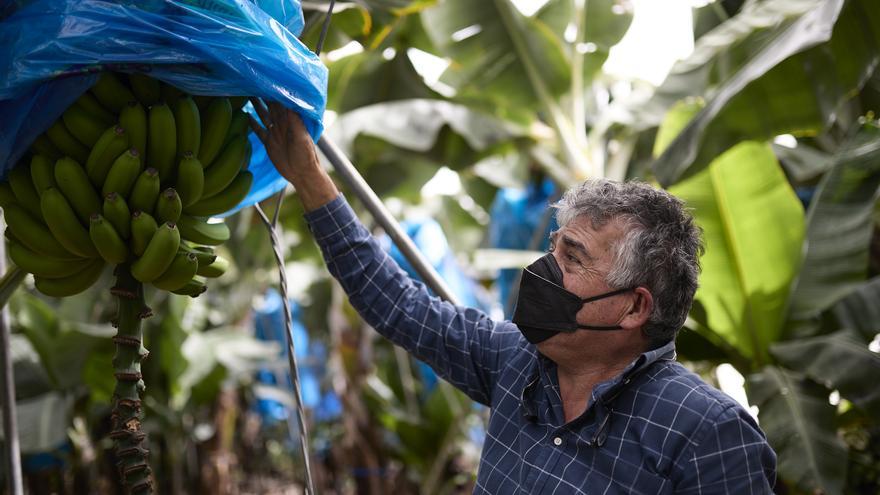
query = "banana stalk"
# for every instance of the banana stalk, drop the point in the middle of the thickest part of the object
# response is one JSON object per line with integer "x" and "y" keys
{"x": 133, "y": 457}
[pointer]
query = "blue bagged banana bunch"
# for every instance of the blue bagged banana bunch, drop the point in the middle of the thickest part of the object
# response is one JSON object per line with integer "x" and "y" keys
{"x": 130, "y": 173}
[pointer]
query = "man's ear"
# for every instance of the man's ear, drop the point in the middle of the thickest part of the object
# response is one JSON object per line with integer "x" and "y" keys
{"x": 640, "y": 310}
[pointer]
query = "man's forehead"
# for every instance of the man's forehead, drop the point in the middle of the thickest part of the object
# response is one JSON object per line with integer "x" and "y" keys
{"x": 582, "y": 230}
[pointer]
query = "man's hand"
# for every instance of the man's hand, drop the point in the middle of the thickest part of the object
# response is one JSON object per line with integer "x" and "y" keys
{"x": 292, "y": 151}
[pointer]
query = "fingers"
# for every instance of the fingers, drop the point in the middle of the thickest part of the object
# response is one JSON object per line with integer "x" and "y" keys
{"x": 261, "y": 109}
{"x": 259, "y": 130}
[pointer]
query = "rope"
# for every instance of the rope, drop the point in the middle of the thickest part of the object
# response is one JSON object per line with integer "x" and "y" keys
{"x": 278, "y": 249}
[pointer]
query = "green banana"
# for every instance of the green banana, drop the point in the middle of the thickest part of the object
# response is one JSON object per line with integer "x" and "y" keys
{"x": 82, "y": 125}
{"x": 168, "y": 207}
{"x": 227, "y": 199}
{"x": 110, "y": 145}
{"x": 123, "y": 173}
{"x": 193, "y": 288}
{"x": 33, "y": 233}
{"x": 170, "y": 94}
{"x": 133, "y": 119}
{"x": 181, "y": 271}
{"x": 215, "y": 269}
{"x": 202, "y": 101}
{"x": 158, "y": 255}
{"x": 215, "y": 125}
{"x": 67, "y": 144}
{"x": 73, "y": 284}
{"x": 143, "y": 227}
{"x": 107, "y": 241}
{"x": 23, "y": 188}
{"x": 44, "y": 146}
{"x": 224, "y": 169}
{"x": 94, "y": 108}
{"x": 41, "y": 265}
{"x": 7, "y": 197}
{"x": 204, "y": 254}
{"x": 43, "y": 173}
{"x": 111, "y": 92}
{"x": 189, "y": 127}
{"x": 73, "y": 182}
{"x": 162, "y": 140}
{"x": 201, "y": 232}
{"x": 117, "y": 213}
{"x": 145, "y": 88}
{"x": 190, "y": 179}
{"x": 239, "y": 126}
{"x": 145, "y": 191}
{"x": 62, "y": 222}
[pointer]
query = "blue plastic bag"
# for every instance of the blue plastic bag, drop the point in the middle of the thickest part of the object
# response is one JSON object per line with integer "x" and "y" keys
{"x": 52, "y": 50}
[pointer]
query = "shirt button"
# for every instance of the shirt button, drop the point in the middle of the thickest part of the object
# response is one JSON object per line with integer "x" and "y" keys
{"x": 557, "y": 441}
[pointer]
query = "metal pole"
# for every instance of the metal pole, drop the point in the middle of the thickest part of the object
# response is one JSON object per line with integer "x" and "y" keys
{"x": 353, "y": 179}
{"x": 10, "y": 426}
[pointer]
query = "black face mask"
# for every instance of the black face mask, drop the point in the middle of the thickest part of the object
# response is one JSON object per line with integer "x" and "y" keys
{"x": 544, "y": 307}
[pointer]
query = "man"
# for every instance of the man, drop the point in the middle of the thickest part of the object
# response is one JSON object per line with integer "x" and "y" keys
{"x": 584, "y": 390}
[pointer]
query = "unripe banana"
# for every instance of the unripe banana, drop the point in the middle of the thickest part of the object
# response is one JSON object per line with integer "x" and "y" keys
{"x": 33, "y": 233}
{"x": 41, "y": 265}
{"x": 107, "y": 241}
{"x": 42, "y": 173}
{"x": 145, "y": 191}
{"x": 215, "y": 125}
{"x": 73, "y": 284}
{"x": 143, "y": 227}
{"x": 66, "y": 143}
{"x": 44, "y": 146}
{"x": 215, "y": 269}
{"x": 190, "y": 179}
{"x": 201, "y": 232}
{"x": 181, "y": 271}
{"x": 145, "y": 88}
{"x": 222, "y": 172}
{"x": 227, "y": 199}
{"x": 168, "y": 207}
{"x": 74, "y": 183}
{"x": 238, "y": 126}
{"x": 82, "y": 125}
{"x": 123, "y": 173}
{"x": 193, "y": 288}
{"x": 110, "y": 145}
{"x": 202, "y": 101}
{"x": 7, "y": 197}
{"x": 23, "y": 188}
{"x": 158, "y": 255}
{"x": 189, "y": 128}
{"x": 162, "y": 140}
{"x": 117, "y": 213}
{"x": 170, "y": 94}
{"x": 204, "y": 254}
{"x": 133, "y": 119}
{"x": 94, "y": 108}
{"x": 111, "y": 92}
{"x": 62, "y": 222}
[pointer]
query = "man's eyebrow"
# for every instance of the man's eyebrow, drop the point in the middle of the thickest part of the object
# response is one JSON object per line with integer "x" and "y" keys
{"x": 576, "y": 245}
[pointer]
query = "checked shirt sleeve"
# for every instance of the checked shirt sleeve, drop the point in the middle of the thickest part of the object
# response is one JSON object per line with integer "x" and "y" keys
{"x": 462, "y": 344}
{"x": 732, "y": 456}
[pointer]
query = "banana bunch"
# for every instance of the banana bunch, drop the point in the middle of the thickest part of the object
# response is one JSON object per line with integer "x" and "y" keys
{"x": 130, "y": 173}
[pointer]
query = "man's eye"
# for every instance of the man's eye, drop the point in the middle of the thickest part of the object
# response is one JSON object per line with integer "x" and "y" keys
{"x": 573, "y": 259}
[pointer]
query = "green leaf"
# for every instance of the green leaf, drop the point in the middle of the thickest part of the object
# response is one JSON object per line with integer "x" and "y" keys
{"x": 800, "y": 424}
{"x": 738, "y": 201}
{"x": 859, "y": 310}
{"x": 803, "y": 162}
{"x": 782, "y": 79}
{"x": 841, "y": 361}
{"x": 367, "y": 78}
{"x": 839, "y": 226}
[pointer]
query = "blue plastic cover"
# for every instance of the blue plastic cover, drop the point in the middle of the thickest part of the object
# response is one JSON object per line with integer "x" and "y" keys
{"x": 52, "y": 50}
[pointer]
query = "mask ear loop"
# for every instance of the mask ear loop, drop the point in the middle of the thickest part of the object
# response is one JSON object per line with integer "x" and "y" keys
{"x": 607, "y": 294}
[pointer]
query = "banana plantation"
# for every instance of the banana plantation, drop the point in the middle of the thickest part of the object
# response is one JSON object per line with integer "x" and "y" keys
{"x": 170, "y": 324}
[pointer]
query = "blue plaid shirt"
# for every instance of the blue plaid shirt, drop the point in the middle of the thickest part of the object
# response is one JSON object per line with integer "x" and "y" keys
{"x": 656, "y": 428}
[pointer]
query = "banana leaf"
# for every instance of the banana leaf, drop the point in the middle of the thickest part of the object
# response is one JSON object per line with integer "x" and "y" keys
{"x": 860, "y": 310}
{"x": 796, "y": 83}
{"x": 841, "y": 361}
{"x": 839, "y": 226}
{"x": 739, "y": 199}
{"x": 800, "y": 424}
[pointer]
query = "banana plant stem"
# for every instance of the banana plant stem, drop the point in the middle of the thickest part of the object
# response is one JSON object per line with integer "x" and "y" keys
{"x": 132, "y": 456}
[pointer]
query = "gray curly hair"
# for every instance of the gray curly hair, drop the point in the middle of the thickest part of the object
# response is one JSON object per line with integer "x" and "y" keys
{"x": 660, "y": 247}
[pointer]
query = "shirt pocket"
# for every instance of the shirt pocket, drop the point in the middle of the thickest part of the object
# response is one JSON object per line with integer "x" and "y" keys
{"x": 623, "y": 470}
